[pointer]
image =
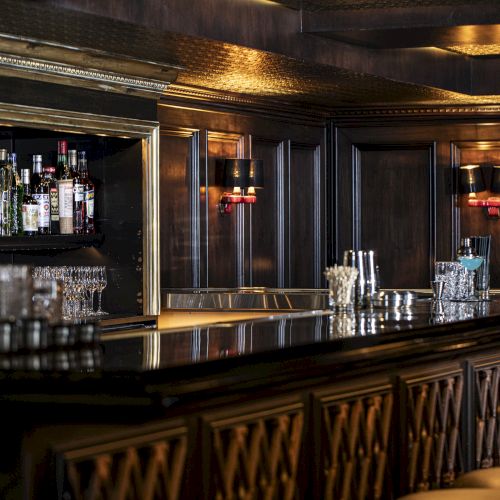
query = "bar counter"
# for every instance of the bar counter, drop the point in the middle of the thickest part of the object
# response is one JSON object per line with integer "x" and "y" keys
{"x": 301, "y": 404}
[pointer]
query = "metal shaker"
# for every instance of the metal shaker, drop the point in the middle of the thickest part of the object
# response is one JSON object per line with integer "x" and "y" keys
{"x": 367, "y": 282}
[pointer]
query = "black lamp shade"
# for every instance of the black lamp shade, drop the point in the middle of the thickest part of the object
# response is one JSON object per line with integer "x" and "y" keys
{"x": 471, "y": 179}
{"x": 256, "y": 174}
{"x": 236, "y": 172}
{"x": 495, "y": 180}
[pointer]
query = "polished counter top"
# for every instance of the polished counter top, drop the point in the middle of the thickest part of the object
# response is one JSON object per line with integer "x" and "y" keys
{"x": 163, "y": 367}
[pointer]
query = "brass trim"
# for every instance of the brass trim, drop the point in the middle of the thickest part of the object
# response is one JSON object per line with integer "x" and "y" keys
{"x": 151, "y": 227}
{"x": 148, "y": 131}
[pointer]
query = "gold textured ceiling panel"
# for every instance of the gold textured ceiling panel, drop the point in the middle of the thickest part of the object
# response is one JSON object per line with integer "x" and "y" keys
{"x": 475, "y": 50}
{"x": 239, "y": 70}
{"x": 316, "y": 5}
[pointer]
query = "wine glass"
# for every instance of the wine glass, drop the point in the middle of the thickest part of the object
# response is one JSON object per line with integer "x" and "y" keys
{"x": 101, "y": 284}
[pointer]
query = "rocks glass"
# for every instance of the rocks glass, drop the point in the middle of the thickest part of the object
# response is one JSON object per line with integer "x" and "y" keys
{"x": 341, "y": 282}
{"x": 458, "y": 281}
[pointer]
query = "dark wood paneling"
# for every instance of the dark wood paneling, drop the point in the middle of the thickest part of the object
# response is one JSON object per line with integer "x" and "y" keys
{"x": 224, "y": 264}
{"x": 176, "y": 215}
{"x": 267, "y": 217}
{"x": 394, "y": 218}
{"x": 277, "y": 242}
{"x": 303, "y": 223}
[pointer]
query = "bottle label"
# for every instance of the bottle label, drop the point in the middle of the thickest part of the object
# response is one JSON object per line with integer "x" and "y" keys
{"x": 78, "y": 192}
{"x": 66, "y": 198}
{"x": 30, "y": 218}
{"x": 54, "y": 204}
{"x": 43, "y": 209}
{"x": 89, "y": 202}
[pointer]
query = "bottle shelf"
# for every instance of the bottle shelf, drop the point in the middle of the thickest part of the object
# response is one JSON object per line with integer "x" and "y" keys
{"x": 49, "y": 242}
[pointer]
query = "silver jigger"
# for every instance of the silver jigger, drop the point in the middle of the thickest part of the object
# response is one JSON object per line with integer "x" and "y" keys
{"x": 437, "y": 289}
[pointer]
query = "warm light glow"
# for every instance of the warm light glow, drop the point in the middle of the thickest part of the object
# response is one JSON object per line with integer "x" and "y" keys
{"x": 251, "y": 190}
{"x": 472, "y": 196}
{"x": 469, "y": 167}
{"x": 236, "y": 190}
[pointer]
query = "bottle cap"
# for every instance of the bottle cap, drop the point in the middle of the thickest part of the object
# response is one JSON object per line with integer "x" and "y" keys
{"x": 25, "y": 175}
{"x": 62, "y": 147}
{"x": 3, "y": 154}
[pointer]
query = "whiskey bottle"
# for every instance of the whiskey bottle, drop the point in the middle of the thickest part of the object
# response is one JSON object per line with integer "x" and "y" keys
{"x": 88, "y": 194}
{"x": 30, "y": 206}
{"x": 16, "y": 198}
{"x": 41, "y": 194}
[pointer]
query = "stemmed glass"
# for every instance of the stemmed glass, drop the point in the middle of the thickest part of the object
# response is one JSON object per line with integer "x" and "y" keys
{"x": 100, "y": 284}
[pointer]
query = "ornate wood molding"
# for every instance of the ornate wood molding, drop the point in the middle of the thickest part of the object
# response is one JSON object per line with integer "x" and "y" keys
{"x": 89, "y": 68}
{"x": 344, "y": 116}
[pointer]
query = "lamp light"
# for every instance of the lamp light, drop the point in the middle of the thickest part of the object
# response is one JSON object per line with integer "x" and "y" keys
{"x": 472, "y": 182}
{"x": 244, "y": 176}
{"x": 471, "y": 179}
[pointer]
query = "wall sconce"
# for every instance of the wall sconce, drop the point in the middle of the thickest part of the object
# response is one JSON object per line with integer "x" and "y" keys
{"x": 244, "y": 176}
{"x": 472, "y": 182}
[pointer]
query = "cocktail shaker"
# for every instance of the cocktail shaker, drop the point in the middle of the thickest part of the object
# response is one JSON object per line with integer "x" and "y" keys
{"x": 367, "y": 283}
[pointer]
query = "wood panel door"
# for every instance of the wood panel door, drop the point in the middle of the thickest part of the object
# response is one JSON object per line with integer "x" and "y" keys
{"x": 386, "y": 202}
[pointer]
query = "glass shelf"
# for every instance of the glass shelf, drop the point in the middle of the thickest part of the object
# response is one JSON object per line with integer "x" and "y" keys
{"x": 49, "y": 242}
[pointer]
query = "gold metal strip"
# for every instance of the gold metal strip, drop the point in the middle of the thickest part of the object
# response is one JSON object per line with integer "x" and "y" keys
{"x": 151, "y": 231}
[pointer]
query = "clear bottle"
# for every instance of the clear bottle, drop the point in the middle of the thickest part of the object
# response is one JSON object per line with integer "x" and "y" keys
{"x": 16, "y": 198}
{"x": 30, "y": 206}
{"x": 41, "y": 194}
{"x": 88, "y": 194}
{"x": 73, "y": 163}
{"x": 5, "y": 190}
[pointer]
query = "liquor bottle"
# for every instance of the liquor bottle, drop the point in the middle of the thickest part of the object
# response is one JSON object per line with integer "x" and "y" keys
{"x": 65, "y": 190}
{"x": 30, "y": 206}
{"x": 49, "y": 173}
{"x": 5, "y": 192}
{"x": 78, "y": 201}
{"x": 88, "y": 194}
{"x": 72, "y": 163}
{"x": 62, "y": 158}
{"x": 47, "y": 187}
{"x": 16, "y": 198}
{"x": 36, "y": 176}
{"x": 41, "y": 194}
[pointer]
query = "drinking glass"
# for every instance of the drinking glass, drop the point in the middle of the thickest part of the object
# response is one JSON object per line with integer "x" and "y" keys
{"x": 101, "y": 284}
{"x": 457, "y": 280}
